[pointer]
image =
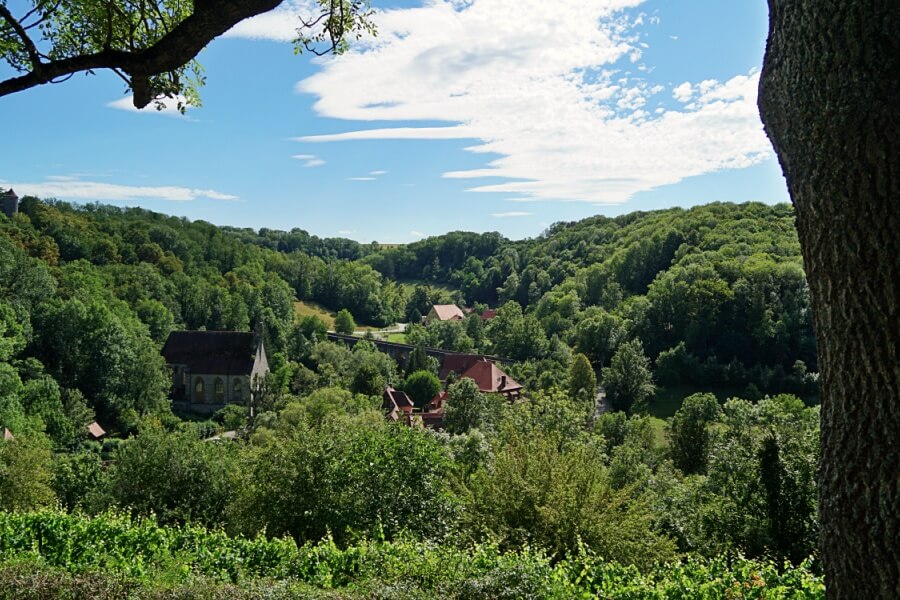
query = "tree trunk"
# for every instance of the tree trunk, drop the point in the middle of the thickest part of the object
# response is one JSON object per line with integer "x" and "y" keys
{"x": 829, "y": 98}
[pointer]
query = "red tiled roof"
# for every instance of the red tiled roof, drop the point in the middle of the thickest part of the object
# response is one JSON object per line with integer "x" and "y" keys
{"x": 396, "y": 402}
{"x": 488, "y": 314}
{"x": 489, "y": 378}
{"x": 448, "y": 312}
{"x": 458, "y": 363}
{"x": 437, "y": 403}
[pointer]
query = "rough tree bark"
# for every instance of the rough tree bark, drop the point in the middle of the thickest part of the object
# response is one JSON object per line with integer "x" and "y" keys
{"x": 830, "y": 99}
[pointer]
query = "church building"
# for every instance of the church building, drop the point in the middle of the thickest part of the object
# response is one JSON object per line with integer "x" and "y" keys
{"x": 211, "y": 369}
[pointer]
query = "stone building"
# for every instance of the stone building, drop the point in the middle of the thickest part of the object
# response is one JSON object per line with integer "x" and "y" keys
{"x": 211, "y": 369}
{"x": 9, "y": 203}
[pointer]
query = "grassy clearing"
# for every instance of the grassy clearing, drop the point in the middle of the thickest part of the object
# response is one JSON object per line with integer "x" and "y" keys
{"x": 397, "y": 338}
{"x": 305, "y": 308}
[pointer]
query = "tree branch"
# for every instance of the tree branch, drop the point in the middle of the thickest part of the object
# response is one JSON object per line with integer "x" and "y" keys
{"x": 32, "y": 50}
{"x": 211, "y": 18}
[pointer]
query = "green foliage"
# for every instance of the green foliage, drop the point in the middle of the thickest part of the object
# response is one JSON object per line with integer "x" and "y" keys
{"x": 344, "y": 323}
{"x": 421, "y": 387}
{"x": 534, "y": 494}
{"x": 373, "y": 480}
{"x": 627, "y": 381}
{"x": 176, "y": 476}
{"x": 689, "y": 434}
{"x": 51, "y": 554}
{"x": 25, "y": 473}
{"x": 467, "y": 408}
{"x": 79, "y": 480}
{"x": 582, "y": 381}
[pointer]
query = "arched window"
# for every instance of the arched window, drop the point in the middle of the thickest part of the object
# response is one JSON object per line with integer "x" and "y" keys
{"x": 236, "y": 389}
{"x": 219, "y": 390}
{"x": 199, "y": 391}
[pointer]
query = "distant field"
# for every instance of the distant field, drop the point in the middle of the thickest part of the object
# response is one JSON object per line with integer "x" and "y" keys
{"x": 410, "y": 284}
{"x": 306, "y": 308}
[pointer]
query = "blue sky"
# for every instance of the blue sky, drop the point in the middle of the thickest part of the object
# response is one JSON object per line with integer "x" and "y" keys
{"x": 480, "y": 115}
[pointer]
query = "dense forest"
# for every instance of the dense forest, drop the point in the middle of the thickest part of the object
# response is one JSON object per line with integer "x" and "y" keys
{"x": 702, "y": 301}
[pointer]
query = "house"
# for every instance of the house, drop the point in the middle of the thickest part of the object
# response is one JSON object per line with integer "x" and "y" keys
{"x": 211, "y": 369}
{"x": 488, "y": 314}
{"x": 445, "y": 312}
{"x": 9, "y": 203}
{"x": 7, "y": 435}
{"x": 487, "y": 375}
{"x": 397, "y": 405}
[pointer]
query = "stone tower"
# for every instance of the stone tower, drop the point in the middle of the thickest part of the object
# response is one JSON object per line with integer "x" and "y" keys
{"x": 9, "y": 203}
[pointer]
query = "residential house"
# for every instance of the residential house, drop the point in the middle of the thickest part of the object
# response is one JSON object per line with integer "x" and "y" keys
{"x": 397, "y": 405}
{"x": 445, "y": 312}
{"x": 211, "y": 369}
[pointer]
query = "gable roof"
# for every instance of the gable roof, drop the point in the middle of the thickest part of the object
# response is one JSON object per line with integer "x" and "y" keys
{"x": 95, "y": 430}
{"x": 211, "y": 352}
{"x": 10, "y": 193}
{"x": 398, "y": 399}
{"x": 7, "y": 434}
{"x": 488, "y": 314}
{"x": 490, "y": 378}
{"x": 448, "y": 312}
{"x": 458, "y": 363}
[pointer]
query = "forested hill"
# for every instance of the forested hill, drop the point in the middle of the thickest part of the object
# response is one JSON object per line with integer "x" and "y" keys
{"x": 716, "y": 294}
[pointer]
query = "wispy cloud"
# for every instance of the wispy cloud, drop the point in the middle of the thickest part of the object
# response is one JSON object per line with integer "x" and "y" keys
{"x": 512, "y": 213}
{"x": 345, "y": 231}
{"x": 360, "y": 179}
{"x": 416, "y": 234}
{"x": 75, "y": 189}
{"x": 565, "y": 118}
{"x": 376, "y": 173}
{"x": 309, "y": 160}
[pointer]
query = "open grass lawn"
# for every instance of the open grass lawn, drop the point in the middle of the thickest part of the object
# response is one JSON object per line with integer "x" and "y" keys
{"x": 397, "y": 338}
{"x": 306, "y": 308}
{"x": 410, "y": 284}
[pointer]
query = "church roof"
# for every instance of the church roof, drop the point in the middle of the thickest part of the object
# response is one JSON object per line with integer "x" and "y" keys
{"x": 211, "y": 352}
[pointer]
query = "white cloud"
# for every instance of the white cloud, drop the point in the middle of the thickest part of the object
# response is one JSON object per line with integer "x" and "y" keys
{"x": 396, "y": 133}
{"x": 512, "y": 213}
{"x": 416, "y": 234}
{"x": 279, "y": 25}
{"x": 377, "y": 172}
{"x": 345, "y": 231}
{"x": 310, "y": 160}
{"x": 75, "y": 189}
{"x": 170, "y": 106}
{"x": 565, "y": 120}
{"x": 360, "y": 179}
{"x": 683, "y": 92}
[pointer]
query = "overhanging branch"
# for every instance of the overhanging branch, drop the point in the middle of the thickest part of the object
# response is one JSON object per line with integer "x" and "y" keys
{"x": 211, "y": 18}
